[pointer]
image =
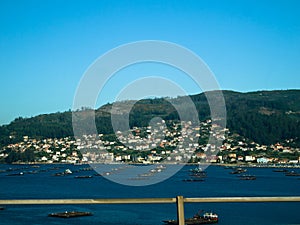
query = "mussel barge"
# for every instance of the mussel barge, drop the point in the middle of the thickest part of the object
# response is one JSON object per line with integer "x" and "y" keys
{"x": 70, "y": 214}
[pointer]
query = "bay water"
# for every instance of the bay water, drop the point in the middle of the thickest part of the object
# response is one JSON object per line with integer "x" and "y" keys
{"x": 40, "y": 182}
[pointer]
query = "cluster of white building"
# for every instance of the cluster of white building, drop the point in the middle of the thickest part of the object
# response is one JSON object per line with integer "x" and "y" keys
{"x": 50, "y": 150}
{"x": 176, "y": 143}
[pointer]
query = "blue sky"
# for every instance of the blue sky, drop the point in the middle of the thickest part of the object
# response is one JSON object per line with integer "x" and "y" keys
{"x": 46, "y": 46}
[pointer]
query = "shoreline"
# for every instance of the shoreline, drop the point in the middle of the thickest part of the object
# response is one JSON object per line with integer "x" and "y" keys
{"x": 252, "y": 165}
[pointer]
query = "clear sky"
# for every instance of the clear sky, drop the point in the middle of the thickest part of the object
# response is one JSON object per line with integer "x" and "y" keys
{"x": 46, "y": 46}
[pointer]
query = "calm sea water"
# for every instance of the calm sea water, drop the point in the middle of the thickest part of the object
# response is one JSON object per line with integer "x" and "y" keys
{"x": 39, "y": 183}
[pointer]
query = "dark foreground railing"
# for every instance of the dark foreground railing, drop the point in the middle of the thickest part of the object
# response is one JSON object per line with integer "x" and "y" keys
{"x": 179, "y": 200}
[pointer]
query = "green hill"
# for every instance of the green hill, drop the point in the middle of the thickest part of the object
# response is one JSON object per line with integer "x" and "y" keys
{"x": 264, "y": 116}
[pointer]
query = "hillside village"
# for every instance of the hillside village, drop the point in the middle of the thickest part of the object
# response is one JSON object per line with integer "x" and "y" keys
{"x": 175, "y": 143}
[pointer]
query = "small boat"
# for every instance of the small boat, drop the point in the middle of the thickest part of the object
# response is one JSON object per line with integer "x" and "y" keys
{"x": 198, "y": 169}
{"x": 238, "y": 171}
{"x": 204, "y": 218}
{"x": 247, "y": 177}
{"x": 82, "y": 177}
{"x": 280, "y": 170}
{"x": 15, "y": 174}
{"x": 106, "y": 174}
{"x": 292, "y": 173}
{"x": 193, "y": 180}
{"x": 145, "y": 175}
{"x": 2, "y": 208}
{"x": 31, "y": 172}
{"x": 35, "y": 166}
{"x": 66, "y": 172}
{"x": 67, "y": 214}
{"x": 199, "y": 174}
{"x": 59, "y": 174}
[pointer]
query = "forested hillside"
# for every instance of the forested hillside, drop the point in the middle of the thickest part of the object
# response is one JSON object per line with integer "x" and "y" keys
{"x": 265, "y": 116}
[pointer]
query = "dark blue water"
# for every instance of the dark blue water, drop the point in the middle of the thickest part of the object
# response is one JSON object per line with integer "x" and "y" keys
{"x": 39, "y": 183}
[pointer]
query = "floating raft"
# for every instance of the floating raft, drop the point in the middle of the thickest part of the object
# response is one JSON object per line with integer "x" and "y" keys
{"x": 70, "y": 214}
{"x": 82, "y": 177}
{"x": 247, "y": 177}
{"x": 193, "y": 180}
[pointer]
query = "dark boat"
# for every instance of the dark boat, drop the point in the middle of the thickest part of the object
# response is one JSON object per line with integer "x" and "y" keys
{"x": 193, "y": 180}
{"x": 198, "y": 174}
{"x": 2, "y": 208}
{"x": 280, "y": 170}
{"x": 205, "y": 218}
{"x": 66, "y": 172}
{"x": 82, "y": 177}
{"x": 198, "y": 171}
{"x": 292, "y": 173}
{"x": 238, "y": 171}
{"x": 15, "y": 174}
{"x": 247, "y": 177}
{"x": 70, "y": 214}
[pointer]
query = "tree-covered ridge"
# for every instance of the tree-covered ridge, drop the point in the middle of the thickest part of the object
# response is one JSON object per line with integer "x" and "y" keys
{"x": 265, "y": 117}
{"x": 42, "y": 126}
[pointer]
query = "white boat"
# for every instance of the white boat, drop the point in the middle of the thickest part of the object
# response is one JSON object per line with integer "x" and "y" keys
{"x": 68, "y": 171}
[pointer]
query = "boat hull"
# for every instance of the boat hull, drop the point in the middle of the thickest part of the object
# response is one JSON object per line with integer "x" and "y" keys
{"x": 192, "y": 221}
{"x": 69, "y": 214}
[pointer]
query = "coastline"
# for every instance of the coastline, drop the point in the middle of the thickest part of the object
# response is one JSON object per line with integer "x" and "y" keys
{"x": 253, "y": 165}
